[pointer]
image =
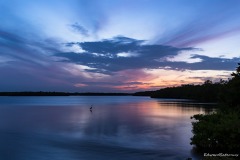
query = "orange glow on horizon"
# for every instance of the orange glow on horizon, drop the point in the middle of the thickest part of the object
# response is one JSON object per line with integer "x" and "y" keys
{"x": 170, "y": 78}
{"x": 145, "y": 80}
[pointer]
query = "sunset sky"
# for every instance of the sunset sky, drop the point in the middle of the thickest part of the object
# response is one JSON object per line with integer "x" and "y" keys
{"x": 116, "y": 45}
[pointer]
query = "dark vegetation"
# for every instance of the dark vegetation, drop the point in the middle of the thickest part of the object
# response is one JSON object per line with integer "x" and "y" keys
{"x": 99, "y": 94}
{"x": 34, "y": 94}
{"x": 206, "y": 92}
{"x": 219, "y": 132}
{"x": 60, "y": 94}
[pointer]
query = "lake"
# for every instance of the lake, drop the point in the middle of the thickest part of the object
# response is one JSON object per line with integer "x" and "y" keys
{"x": 117, "y": 128}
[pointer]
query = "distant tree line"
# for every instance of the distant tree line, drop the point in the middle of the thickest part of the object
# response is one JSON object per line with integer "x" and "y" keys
{"x": 206, "y": 92}
{"x": 40, "y": 93}
{"x": 34, "y": 93}
{"x": 99, "y": 94}
{"x": 219, "y": 132}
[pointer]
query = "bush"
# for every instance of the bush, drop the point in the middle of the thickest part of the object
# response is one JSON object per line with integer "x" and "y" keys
{"x": 217, "y": 132}
{"x": 220, "y": 131}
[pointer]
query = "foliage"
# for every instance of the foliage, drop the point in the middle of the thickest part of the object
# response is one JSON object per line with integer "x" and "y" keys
{"x": 220, "y": 131}
{"x": 207, "y": 92}
{"x": 61, "y": 94}
{"x": 230, "y": 95}
{"x": 217, "y": 132}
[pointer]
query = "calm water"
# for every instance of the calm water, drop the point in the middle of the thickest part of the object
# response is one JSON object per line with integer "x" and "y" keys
{"x": 118, "y": 128}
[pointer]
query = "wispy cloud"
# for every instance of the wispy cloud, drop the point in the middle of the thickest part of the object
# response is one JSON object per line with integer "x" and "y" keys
{"x": 80, "y": 29}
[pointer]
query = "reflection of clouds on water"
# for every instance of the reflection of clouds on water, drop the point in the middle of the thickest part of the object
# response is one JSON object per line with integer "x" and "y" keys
{"x": 128, "y": 128}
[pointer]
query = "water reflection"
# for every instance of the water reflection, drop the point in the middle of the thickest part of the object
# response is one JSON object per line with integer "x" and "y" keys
{"x": 134, "y": 129}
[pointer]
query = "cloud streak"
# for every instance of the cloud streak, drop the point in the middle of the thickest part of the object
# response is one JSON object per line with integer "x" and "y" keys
{"x": 80, "y": 29}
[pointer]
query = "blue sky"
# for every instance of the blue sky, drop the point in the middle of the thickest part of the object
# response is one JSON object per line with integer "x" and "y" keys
{"x": 116, "y": 45}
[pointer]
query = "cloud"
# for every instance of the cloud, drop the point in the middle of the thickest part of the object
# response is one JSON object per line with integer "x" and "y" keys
{"x": 16, "y": 48}
{"x": 80, "y": 29}
{"x": 126, "y": 81}
{"x": 206, "y": 63}
{"x": 117, "y": 85}
{"x": 111, "y": 46}
{"x": 196, "y": 34}
{"x": 207, "y": 22}
{"x": 103, "y": 57}
{"x": 111, "y": 84}
{"x": 32, "y": 55}
{"x": 26, "y": 65}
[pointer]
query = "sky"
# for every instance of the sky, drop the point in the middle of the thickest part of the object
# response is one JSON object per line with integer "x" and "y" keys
{"x": 116, "y": 45}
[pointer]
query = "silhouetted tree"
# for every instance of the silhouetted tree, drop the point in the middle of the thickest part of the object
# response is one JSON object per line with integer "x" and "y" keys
{"x": 220, "y": 131}
{"x": 231, "y": 92}
{"x": 207, "y": 92}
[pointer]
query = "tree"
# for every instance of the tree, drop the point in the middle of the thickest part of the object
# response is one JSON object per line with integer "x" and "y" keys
{"x": 220, "y": 131}
{"x": 231, "y": 95}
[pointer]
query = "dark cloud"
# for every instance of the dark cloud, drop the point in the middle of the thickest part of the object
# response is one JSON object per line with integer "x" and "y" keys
{"x": 29, "y": 65}
{"x": 80, "y": 29}
{"x": 104, "y": 56}
{"x": 25, "y": 65}
{"x": 9, "y": 37}
{"x": 20, "y": 48}
{"x": 113, "y": 46}
{"x": 214, "y": 79}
